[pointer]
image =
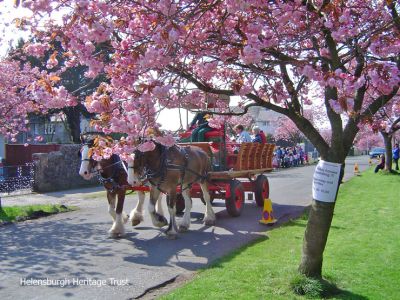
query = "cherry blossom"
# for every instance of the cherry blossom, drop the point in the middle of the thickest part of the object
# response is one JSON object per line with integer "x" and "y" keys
{"x": 282, "y": 55}
{"x": 25, "y": 90}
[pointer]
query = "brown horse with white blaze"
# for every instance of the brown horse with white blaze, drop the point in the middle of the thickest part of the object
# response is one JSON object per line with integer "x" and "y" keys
{"x": 165, "y": 169}
{"x": 113, "y": 175}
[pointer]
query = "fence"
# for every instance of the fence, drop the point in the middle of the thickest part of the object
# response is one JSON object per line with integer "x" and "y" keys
{"x": 17, "y": 154}
{"x": 16, "y": 178}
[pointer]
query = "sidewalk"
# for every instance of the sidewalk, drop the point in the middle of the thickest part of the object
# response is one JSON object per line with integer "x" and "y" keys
{"x": 68, "y": 197}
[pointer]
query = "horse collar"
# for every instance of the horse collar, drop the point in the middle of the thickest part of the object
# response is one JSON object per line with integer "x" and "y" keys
{"x": 161, "y": 171}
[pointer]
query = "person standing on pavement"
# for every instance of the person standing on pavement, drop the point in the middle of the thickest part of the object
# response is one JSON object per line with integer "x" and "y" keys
{"x": 396, "y": 155}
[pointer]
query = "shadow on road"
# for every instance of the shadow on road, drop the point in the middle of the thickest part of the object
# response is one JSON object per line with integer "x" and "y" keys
{"x": 54, "y": 247}
{"x": 51, "y": 247}
{"x": 77, "y": 246}
{"x": 207, "y": 242}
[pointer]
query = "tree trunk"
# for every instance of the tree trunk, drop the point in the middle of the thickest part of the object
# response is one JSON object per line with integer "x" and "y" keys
{"x": 315, "y": 237}
{"x": 387, "y": 138}
{"x": 74, "y": 123}
{"x": 316, "y": 234}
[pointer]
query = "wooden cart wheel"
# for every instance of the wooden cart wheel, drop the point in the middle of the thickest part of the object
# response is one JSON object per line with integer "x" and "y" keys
{"x": 180, "y": 204}
{"x": 235, "y": 202}
{"x": 261, "y": 189}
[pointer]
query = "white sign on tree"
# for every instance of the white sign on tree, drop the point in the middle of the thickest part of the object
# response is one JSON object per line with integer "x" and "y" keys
{"x": 325, "y": 181}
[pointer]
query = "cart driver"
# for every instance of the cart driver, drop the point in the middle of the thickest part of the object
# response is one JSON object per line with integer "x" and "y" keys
{"x": 201, "y": 120}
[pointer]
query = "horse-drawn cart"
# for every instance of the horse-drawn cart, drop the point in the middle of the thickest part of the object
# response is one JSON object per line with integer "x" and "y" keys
{"x": 241, "y": 172}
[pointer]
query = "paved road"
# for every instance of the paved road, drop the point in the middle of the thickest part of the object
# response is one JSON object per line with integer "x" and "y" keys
{"x": 75, "y": 245}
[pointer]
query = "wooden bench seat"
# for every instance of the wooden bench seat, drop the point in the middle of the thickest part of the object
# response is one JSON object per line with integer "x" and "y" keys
{"x": 252, "y": 156}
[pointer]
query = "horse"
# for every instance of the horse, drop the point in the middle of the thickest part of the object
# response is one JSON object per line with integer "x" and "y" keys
{"x": 166, "y": 169}
{"x": 113, "y": 176}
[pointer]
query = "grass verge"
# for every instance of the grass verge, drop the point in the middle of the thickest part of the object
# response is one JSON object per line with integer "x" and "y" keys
{"x": 20, "y": 213}
{"x": 361, "y": 259}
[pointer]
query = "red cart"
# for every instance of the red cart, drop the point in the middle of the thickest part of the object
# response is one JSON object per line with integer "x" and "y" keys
{"x": 244, "y": 172}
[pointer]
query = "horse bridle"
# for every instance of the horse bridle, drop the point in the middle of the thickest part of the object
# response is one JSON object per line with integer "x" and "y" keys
{"x": 98, "y": 171}
{"x": 145, "y": 173}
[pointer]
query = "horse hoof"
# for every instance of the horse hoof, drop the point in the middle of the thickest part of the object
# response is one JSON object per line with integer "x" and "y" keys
{"x": 209, "y": 222}
{"x": 172, "y": 236}
{"x": 135, "y": 222}
{"x": 162, "y": 221}
{"x": 115, "y": 235}
{"x": 162, "y": 224}
{"x": 183, "y": 228}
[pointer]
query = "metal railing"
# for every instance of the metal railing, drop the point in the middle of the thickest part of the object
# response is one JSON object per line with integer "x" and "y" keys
{"x": 16, "y": 178}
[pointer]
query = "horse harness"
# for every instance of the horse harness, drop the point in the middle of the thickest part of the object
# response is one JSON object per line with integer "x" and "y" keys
{"x": 111, "y": 183}
{"x": 165, "y": 165}
{"x": 113, "y": 179}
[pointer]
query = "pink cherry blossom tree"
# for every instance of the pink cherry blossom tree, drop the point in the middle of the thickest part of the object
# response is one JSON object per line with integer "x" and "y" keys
{"x": 366, "y": 139}
{"x": 25, "y": 90}
{"x": 282, "y": 55}
{"x": 387, "y": 122}
{"x": 286, "y": 130}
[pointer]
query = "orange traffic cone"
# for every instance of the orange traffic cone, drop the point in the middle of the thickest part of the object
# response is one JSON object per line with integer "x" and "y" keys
{"x": 267, "y": 216}
{"x": 356, "y": 170}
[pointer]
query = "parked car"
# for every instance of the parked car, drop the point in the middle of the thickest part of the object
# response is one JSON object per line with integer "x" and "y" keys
{"x": 376, "y": 152}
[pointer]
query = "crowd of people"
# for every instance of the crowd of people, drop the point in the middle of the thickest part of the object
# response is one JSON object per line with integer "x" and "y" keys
{"x": 290, "y": 157}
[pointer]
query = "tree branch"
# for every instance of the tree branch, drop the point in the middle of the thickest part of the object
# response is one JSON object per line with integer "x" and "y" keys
{"x": 89, "y": 84}
{"x": 392, "y": 6}
{"x": 378, "y": 103}
{"x": 290, "y": 88}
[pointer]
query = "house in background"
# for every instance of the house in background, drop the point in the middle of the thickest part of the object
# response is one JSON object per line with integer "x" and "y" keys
{"x": 264, "y": 118}
{"x": 267, "y": 121}
{"x": 53, "y": 129}
{"x": 85, "y": 125}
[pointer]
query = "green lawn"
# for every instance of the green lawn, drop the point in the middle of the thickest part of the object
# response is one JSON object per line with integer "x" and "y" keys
{"x": 11, "y": 213}
{"x": 362, "y": 257}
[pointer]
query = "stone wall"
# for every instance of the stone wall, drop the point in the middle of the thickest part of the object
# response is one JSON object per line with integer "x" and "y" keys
{"x": 58, "y": 170}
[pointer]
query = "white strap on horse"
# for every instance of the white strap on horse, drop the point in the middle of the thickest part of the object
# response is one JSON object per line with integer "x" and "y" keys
{"x": 123, "y": 165}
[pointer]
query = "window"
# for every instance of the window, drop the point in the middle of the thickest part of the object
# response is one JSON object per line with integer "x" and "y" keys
{"x": 50, "y": 129}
